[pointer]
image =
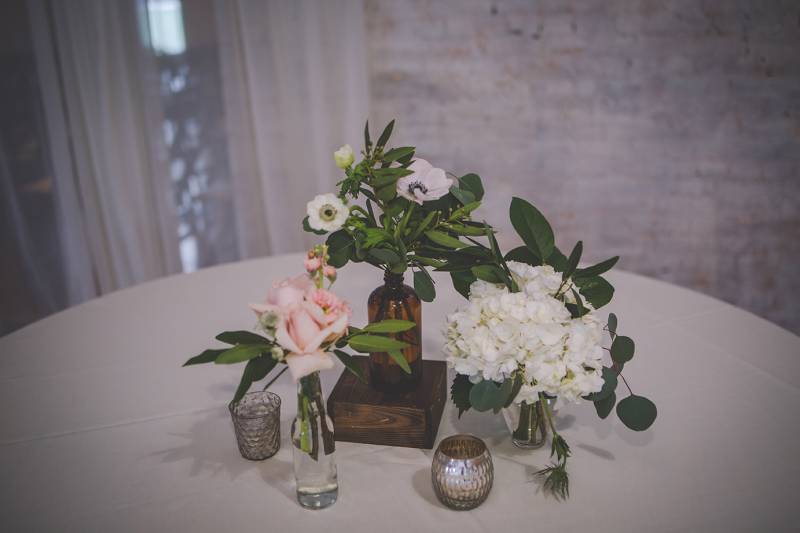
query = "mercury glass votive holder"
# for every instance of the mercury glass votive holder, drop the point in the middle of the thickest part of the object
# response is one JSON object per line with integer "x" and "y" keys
{"x": 462, "y": 472}
{"x": 257, "y": 424}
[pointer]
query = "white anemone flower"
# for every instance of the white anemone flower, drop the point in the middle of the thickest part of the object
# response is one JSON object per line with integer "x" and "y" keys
{"x": 426, "y": 183}
{"x": 326, "y": 212}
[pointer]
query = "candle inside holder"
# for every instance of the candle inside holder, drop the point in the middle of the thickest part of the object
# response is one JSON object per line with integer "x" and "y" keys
{"x": 462, "y": 472}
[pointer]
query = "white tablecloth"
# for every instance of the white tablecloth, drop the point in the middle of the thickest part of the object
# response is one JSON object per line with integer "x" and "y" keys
{"x": 102, "y": 430}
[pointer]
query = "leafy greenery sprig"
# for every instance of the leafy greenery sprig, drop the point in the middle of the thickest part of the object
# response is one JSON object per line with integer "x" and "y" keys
{"x": 262, "y": 353}
{"x": 393, "y": 233}
{"x": 636, "y": 412}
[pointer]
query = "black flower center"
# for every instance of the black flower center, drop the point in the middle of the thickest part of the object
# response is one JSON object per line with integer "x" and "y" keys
{"x": 414, "y": 185}
{"x": 327, "y": 213}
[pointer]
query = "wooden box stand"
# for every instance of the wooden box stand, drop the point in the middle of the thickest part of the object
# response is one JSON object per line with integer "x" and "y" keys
{"x": 410, "y": 419}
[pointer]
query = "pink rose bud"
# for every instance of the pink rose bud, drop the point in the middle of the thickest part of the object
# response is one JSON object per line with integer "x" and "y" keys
{"x": 329, "y": 272}
{"x": 312, "y": 264}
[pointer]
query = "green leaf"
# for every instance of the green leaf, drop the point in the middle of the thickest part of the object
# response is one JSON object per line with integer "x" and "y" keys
{"x": 610, "y": 382}
{"x": 387, "y": 193}
{"x": 464, "y": 211}
{"x": 462, "y": 281}
{"x": 398, "y": 357}
{"x": 572, "y": 262}
{"x": 375, "y": 343}
{"x": 523, "y": 254}
{"x": 384, "y": 138}
{"x": 532, "y": 227}
{"x": 622, "y": 349}
{"x": 307, "y": 227}
{"x": 390, "y": 325}
{"x": 375, "y": 236}
{"x": 398, "y": 153}
{"x": 489, "y": 273}
{"x": 462, "y": 195}
{"x": 367, "y": 141}
{"x": 486, "y": 394}
{"x": 423, "y": 285}
{"x": 637, "y": 412}
{"x": 241, "y": 337}
{"x": 597, "y": 291}
{"x": 612, "y": 325}
{"x": 385, "y": 255}
{"x": 255, "y": 370}
{"x": 422, "y": 226}
{"x": 466, "y": 230}
{"x": 241, "y": 352}
{"x": 604, "y": 406}
{"x": 350, "y": 364}
{"x": 557, "y": 260}
{"x": 514, "y": 390}
{"x": 341, "y": 247}
{"x": 208, "y": 356}
{"x": 459, "y": 392}
{"x": 596, "y": 270}
{"x": 389, "y": 176}
{"x": 578, "y": 307}
{"x": 472, "y": 183}
{"x": 428, "y": 261}
{"x": 443, "y": 239}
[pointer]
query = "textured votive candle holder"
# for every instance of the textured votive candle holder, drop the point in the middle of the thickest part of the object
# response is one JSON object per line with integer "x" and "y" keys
{"x": 257, "y": 424}
{"x": 462, "y": 472}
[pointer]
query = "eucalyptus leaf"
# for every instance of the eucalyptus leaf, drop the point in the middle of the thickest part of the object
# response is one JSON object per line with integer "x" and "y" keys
{"x": 240, "y": 353}
{"x": 367, "y": 343}
{"x": 486, "y": 395}
{"x": 390, "y": 325}
{"x": 423, "y": 285}
{"x": 610, "y": 383}
{"x": 622, "y": 349}
{"x": 208, "y": 356}
{"x": 605, "y": 405}
{"x": 612, "y": 325}
{"x": 397, "y": 355}
{"x": 341, "y": 247}
{"x": 637, "y": 412}
{"x": 241, "y": 337}
{"x": 350, "y": 364}
{"x": 532, "y": 227}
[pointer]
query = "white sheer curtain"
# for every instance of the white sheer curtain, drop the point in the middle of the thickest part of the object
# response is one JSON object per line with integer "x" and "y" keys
{"x": 293, "y": 87}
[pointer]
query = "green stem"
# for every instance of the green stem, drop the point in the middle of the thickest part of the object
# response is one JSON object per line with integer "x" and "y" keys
{"x": 275, "y": 378}
{"x": 546, "y": 410}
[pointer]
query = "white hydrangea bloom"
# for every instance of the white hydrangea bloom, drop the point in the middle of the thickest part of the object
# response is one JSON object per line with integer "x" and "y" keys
{"x": 500, "y": 332}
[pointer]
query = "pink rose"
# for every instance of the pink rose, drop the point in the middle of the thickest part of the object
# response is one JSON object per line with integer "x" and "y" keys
{"x": 308, "y": 317}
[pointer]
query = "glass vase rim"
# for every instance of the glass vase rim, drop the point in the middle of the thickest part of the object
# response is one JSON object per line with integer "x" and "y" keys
{"x": 483, "y": 448}
{"x": 276, "y": 404}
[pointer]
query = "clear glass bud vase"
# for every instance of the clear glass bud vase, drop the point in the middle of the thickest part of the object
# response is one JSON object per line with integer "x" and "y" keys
{"x": 314, "y": 447}
{"x": 527, "y": 425}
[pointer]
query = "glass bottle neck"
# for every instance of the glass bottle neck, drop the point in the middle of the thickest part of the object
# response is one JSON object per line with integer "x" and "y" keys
{"x": 393, "y": 281}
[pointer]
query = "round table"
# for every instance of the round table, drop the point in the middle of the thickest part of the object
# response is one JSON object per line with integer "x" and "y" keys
{"x": 102, "y": 430}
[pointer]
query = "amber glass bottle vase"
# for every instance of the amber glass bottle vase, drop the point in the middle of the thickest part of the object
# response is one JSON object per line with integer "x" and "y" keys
{"x": 394, "y": 299}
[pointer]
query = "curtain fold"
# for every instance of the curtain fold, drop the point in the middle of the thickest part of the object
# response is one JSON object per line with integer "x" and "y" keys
{"x": 115, "y": 185}
{"x": 296, "y": 89}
